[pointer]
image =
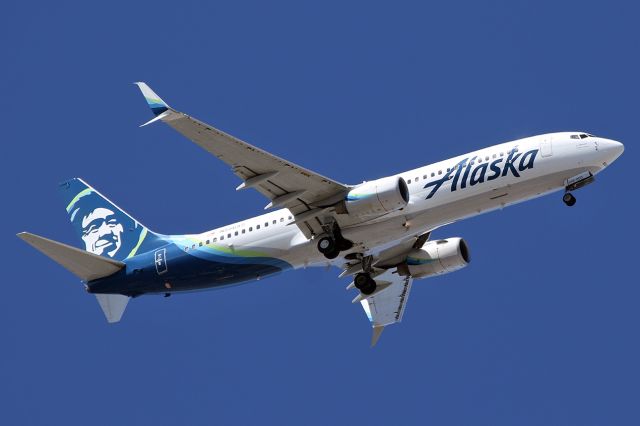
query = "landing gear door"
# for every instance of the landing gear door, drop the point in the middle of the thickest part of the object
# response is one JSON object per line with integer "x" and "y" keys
{"x": 546, "y": 146}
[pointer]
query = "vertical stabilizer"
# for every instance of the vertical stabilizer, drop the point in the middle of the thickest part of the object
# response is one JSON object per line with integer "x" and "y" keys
{"x": 104, "y": 228}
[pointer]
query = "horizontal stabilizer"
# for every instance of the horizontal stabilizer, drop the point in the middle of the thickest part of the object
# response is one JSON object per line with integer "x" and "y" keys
{"x": 112, "y": 305}
{"x": 87, "y": 266}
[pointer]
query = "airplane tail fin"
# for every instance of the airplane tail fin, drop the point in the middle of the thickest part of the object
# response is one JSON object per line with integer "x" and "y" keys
{"x": 103, "y": 227}
{"x": 86, "y": 266}
{"x": 109, "y": 236}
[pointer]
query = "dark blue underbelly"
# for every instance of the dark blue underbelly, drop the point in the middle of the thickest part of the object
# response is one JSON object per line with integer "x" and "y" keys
{"x": 170, "y": 269}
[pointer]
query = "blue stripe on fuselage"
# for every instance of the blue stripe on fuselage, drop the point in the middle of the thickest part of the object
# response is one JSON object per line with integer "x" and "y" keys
{"x": 186, "y": 272}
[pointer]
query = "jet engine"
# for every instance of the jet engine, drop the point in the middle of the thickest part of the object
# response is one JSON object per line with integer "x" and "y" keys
{"x": 436, "y": 258}
{"x": 377, "y": 197}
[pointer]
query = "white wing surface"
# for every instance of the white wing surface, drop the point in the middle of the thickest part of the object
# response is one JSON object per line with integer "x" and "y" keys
{"x": 387, "y": 304}
{"x": 304, "y": 192}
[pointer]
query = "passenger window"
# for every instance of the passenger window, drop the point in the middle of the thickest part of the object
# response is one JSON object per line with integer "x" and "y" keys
{"x": 193, "y": 246}
{"x": 409, "y": 181}
{"x": 229, "y": 235}
{"x": 266, "y": 224}
{"x": 424, "y": 177}
{"x": 282, "y": 219}
{"x": 243, "y": 231}
{"x": 186, "y": 249}
{"x": 502, "y": 154}
{"x": 275, "y": 221}
{"x": 200, "y": 244}
{"x": 432, "y": 174}
{"x": 207, "y": 242}
{"x": 290, "y": 218}
{"x": 250, "y": 229}
{"x": 439, "y": 172}
{"x": 221, "y": 237}
{"x": 486, "y": 158}
{"x": 236, "y": 233}
{"x": 214, "y": 240}
{"x": 257, "y": 226}
{"x": 494, "y": 155}
{"x": 416, "y": 179}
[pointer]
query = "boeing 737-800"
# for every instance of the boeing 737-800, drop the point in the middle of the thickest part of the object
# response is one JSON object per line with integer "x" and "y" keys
{"x": 377, "y": 232}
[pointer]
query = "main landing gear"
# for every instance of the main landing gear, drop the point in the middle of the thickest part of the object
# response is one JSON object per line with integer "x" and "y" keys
{"x": 569, "y": 199}
{"x": 331, "y": 245}
{"x": 365, "y": 283}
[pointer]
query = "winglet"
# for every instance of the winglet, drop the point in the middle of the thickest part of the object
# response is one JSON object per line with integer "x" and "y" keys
{"x": 157, "y": 105}
{"x": 377, "y": 332}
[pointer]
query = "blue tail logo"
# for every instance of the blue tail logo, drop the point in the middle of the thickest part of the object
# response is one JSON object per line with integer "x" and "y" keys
{"x": 105, "y": 229}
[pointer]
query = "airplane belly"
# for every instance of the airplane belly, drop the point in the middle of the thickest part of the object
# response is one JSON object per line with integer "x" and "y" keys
{"x": 171, "y": 269}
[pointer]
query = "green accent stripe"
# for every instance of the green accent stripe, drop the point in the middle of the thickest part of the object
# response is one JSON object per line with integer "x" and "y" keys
{"x": 188, "y": 242}
{"x": 154, "y": 101}
{"x": 81, "y": 194}
{"x": 143, "y": 234}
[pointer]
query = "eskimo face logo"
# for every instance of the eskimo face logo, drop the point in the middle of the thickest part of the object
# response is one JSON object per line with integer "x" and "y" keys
{"x": 101, "y": 232}
{"x": 461, "y": 174}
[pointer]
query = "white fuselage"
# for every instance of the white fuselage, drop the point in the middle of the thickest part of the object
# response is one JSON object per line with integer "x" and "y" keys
{"x": 482, "y": 184}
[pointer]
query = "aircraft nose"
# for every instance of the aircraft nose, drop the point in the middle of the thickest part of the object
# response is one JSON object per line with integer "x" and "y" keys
{"x": 612, "y": 149}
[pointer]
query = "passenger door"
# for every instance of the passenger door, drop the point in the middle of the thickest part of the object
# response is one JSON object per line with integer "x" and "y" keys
{"x": 546, "y": 146}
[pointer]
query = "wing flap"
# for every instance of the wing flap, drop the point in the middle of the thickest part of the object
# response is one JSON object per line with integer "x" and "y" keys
{"x": 283, "y": 182}
{"x": 387, "y": 306}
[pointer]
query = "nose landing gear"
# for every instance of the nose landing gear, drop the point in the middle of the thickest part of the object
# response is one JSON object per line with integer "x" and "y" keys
{"x": 569, "y": 199}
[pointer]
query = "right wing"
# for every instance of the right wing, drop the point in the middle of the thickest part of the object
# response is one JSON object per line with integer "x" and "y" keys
{"x": 305, "y": 193}
{"x": 386, "y": 305}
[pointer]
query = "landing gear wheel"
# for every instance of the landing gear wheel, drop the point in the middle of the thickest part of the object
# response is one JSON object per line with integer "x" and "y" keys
{"x": 344, "y": 245}
{"x": 361, "y": 280}
{"x": 369, "y": 288}
{"x": 569, "y": 199}
{"x": 332, "y": 254}
{"x": 365, "y": 283}
{"x": 327, "y": 245}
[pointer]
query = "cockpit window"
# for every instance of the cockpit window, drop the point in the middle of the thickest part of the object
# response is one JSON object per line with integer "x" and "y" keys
{"x": 581, "y": 136}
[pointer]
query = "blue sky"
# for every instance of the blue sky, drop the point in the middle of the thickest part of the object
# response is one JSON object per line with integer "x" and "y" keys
{"x": 541, "y": 328}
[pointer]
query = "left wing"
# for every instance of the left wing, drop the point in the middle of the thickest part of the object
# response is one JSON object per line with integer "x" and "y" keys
{"x": 387, "y": 304}
{"x": 305, "y": 193}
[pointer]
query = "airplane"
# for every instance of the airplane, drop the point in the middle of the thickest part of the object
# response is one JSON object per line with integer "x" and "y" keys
{"x": 377, "y": 232}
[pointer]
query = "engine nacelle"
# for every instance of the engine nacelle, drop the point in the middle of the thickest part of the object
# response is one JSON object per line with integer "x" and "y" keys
{"x": 436, "y": 258}
{"x": 377, "y": 197}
